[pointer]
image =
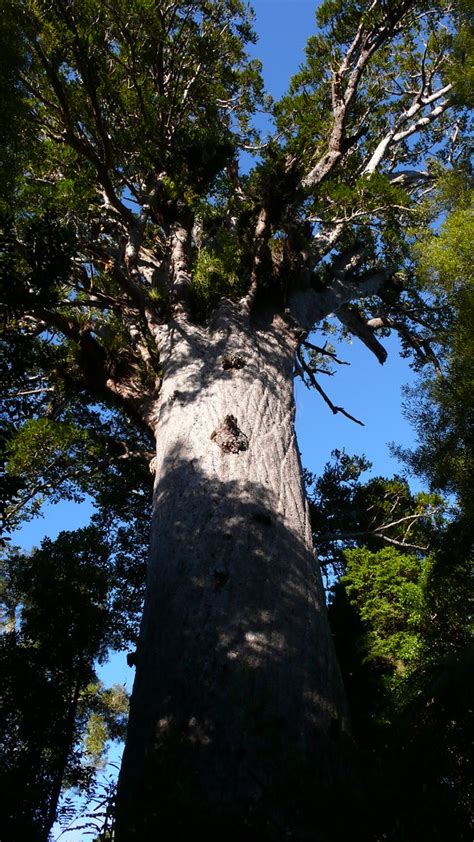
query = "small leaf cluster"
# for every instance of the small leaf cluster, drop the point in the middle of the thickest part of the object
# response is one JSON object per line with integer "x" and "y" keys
{"x": 217, "y": 272}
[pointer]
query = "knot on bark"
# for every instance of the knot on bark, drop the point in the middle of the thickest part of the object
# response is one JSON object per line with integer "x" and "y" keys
{"x": 233, "y": 361}
{"x": 229, "y": 436}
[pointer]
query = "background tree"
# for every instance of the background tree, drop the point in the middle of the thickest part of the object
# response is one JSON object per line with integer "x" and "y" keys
{"x": 442, "y": 410}
{"x": 402, "y": 616}
{"x": 60, "y": 620}
{"x": 169, "y": 288}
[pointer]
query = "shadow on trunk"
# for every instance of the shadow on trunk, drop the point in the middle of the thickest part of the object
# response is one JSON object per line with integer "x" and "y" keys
{"x": 238, "y": 723}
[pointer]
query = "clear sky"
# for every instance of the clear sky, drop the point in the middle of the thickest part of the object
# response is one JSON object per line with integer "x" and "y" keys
{"x": 366, "y": 389}
{"x": 283, "y": 27}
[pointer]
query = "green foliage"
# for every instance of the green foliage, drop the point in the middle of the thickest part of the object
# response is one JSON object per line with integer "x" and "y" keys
{"x": 95, "y": 739}
{"x": 107, "y": 720}
{"x": 462, "y": 61}
{"x": 448, "y": 255}
{"x": 48, "y": 452}
{"x": 216, "y": 272}
{"x": 387, "y": 589}
{"x": 121, "y": 62}
{"x": 444, "y": 255}
{"x": 15, "y": 131}
{"x": 32, "y": 274}
{"x": 402, "y": 623}
{"x": 69, "y": 602}
{"x": 347, "y": 513}
{"x": 379, "y": 213}
{"x": 440, "y": 407}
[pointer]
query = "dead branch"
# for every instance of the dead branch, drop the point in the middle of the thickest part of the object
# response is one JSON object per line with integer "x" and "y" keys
{"x": 334, "y": 409}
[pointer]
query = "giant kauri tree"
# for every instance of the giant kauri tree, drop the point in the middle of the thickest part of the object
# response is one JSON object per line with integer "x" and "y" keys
{"x": 149, "y": 276}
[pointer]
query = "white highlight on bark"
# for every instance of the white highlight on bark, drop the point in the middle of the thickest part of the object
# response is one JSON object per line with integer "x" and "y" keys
{"x": 397, "y": 133}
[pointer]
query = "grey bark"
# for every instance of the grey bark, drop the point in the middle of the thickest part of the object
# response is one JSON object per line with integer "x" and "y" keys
{"x": 238, "y": 700}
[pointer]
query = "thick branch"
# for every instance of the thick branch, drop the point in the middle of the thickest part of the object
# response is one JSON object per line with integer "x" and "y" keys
{"x": 125, "y": 388}
{"x": 129, "y": 281}
{"x": 181, "y": 278}
{"x": 262, "y": 234}
{"x": 345, "y": 84}
{"x": 351, "y": 319}
{"x": 398, "y": 133}
{"x": 310, "y": 305}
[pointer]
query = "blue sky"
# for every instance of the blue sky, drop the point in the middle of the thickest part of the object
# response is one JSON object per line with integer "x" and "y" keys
{"x": 283, "y": 27}
{"x": 366, "y": 389}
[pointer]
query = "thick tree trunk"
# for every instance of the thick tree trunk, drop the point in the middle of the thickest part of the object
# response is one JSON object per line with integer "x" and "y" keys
{"x": 238, "y": 704}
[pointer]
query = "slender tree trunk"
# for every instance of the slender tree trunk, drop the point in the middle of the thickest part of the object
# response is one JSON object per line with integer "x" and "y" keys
{"x": 238, "y": 704}
{"x": 63, "y": 752}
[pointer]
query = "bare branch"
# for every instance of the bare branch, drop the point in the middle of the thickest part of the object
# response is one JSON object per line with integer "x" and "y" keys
{"x": 345, "y": 83}
{"x": 360, "y": 214}
{"x": 380, "y": 531}
{"x": 324, "y": 351}
{"x": 27, "y": 392}
{"x": 413, "y": 518}
{"x": 334, "y": 409}
{"x": 398, "y": 133}
{"x": 348, "y": 536}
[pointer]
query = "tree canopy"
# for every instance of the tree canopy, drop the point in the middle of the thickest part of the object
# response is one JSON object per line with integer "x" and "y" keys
{"x": 126, "y": 131}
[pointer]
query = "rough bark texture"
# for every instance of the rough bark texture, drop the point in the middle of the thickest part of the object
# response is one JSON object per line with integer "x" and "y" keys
{"x": 237, "y": 705}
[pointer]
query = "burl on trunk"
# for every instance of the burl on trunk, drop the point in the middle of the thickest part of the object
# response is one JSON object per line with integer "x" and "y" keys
{"x": 237, "y": 704}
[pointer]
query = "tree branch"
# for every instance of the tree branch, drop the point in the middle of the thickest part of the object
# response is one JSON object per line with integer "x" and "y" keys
{"x": 181, "y": 278}
{"x": 262, "y": 234}
{"x": 348, "y": 536}
{"x": 420, "y": 345}
{"x": 364, "y": 44}
{"x": 324, "y": 351}
{"x": 397, "y": 133}
{"x": 351, "y": 319}
{"x": 309, "y": 306}
{"x": 334, "y": 409}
